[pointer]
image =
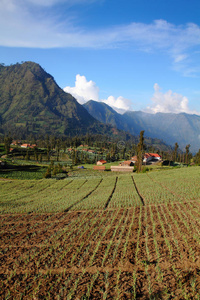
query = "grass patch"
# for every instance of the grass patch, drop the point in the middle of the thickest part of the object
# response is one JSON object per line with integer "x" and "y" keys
{"x": 28, "y": 172}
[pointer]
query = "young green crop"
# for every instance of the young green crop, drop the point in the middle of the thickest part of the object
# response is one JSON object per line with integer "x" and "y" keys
{"x": 125, "y": 194}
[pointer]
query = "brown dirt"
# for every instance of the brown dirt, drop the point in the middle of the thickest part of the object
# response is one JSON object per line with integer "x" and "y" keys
{"x": 102, "y": 254}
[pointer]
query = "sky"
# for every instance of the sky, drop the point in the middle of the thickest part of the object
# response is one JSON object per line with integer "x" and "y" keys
{"x": 132, "y": 55}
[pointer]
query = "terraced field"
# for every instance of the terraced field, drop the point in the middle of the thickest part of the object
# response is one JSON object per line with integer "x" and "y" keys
{"x": 134, "y": 236}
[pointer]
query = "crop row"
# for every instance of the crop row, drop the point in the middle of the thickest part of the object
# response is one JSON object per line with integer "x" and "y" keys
{"x": 125, "y": 194}
{"x": 114, "y": 191}
{"x": 184, "y": 185}
{"x": 77, "y": 194}
{"x": 132, "y": 253}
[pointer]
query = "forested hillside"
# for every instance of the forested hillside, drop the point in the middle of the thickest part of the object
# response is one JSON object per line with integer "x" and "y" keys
{"x": 32, "y": 102}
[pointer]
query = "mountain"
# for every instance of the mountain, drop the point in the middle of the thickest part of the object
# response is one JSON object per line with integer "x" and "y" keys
{"x": 32, "y": 102}
{"x": 104, "y": 113}
{"x": 181, "y": 128}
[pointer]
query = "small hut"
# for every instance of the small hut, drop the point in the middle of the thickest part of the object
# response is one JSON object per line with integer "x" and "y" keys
{"x": 101, "y": 162}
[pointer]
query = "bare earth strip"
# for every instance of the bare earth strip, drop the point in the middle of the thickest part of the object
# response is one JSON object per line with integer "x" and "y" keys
{"x": 134, "y": 253}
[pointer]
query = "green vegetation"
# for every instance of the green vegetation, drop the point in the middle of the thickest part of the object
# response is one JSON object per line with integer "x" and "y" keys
{"x": 32, "y": 103}
{"x": 99, "y": 191}
{"x": 19, "y": 171}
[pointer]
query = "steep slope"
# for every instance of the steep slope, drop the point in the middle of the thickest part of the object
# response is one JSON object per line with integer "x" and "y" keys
{"x": 32, "y": 102}
{"x": 104, "y": 113}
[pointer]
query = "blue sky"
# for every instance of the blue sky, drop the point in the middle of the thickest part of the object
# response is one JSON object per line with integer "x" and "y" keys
{"x": 139, "y": 55}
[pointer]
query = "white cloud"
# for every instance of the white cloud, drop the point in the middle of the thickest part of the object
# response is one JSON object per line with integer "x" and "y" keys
{"x": 168, "y": 102}
{"x": 180, "y": 57}
{"x": 29, "y": 30}
{"x": 120, "y": 103}
{"x": 36, "y": 24}
{"x": 85, "y": 90}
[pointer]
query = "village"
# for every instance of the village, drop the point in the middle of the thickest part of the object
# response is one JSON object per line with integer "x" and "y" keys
{"x": 128, "y": 165}
{"x": 50, "y": 157}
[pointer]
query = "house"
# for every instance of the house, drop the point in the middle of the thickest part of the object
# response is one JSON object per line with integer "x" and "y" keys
{"x": 151, "y": 157}
{"x": 16, "y": 143}
{"x": 127, "y": 163}
{"x": 134, "y": 159}
{"x": 91, "y": 151}
{"x": 101, "y": 162}
{"x": 33, "y": 146}
{"x": 25, "y": 146}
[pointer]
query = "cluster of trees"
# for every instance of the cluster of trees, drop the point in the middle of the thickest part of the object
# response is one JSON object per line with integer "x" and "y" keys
{"x": 107, "y": 149}
{"x": 179, "y": 156}
{"x": 54, "y": 169}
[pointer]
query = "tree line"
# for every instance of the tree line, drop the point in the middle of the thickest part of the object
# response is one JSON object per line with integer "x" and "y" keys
{"x": 108, "y": 149}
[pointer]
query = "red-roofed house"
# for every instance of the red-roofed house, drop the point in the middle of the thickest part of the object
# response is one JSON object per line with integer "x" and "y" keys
{"x": 134, "y": 159}
{"x": 91, "y": 151}
{"x": 151, "y": 156}
{"x": 101, "y": 162}
{"x": 25, "y": 146}
{"x": 16, "y": 143}
{"x": 127, "y": 163}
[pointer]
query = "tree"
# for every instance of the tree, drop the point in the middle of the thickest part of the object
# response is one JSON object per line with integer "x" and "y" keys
{"x": 35, "y": 153}
{"x": 27, "y": 157}
{"x": 58, "y": 147}
{"x": 52, "y": 142}
{"x": 175, "y": 151}
{"x": 48, "y": 173}
{"x": 197, "y": 158}
{"x": 40, "y": 157}
{"x": 74, "y": 157}
{"x": 140, "y": 149}
{"x": 187, "y": 150}
{"x": 7, "y": 142}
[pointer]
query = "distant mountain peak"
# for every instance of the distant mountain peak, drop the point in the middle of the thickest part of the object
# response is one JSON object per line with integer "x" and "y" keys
{"x": 182, "y": 128}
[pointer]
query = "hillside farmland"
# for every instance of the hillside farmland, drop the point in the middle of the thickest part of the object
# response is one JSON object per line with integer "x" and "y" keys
{"x": 133, "y": 236}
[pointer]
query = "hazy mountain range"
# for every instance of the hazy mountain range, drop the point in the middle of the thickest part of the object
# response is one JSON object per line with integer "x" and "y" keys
{"x": 32, "y": 103}
{"x": 181, "y": 128}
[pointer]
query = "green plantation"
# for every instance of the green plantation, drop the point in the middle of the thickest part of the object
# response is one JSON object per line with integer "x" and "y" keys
{"x": 100, "y": 190}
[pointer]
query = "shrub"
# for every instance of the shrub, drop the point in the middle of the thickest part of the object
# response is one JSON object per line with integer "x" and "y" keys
{"x": 145, "y": 169}
{"x": 48, "y": 173}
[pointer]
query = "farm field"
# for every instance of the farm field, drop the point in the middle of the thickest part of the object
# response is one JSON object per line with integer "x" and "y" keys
{"x": 122, "y": 236}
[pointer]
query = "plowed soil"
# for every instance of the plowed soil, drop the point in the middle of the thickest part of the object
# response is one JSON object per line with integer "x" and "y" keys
{"x": 147, "y": 252}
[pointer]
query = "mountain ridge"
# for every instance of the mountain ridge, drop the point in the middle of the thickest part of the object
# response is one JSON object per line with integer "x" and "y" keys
{"x": 32, "y": 102}
{"x": 182, "y": 128}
